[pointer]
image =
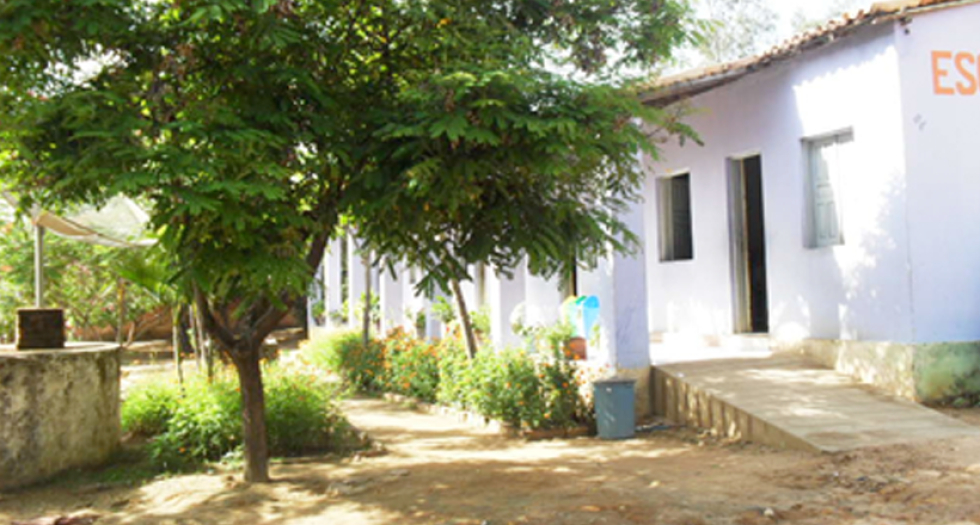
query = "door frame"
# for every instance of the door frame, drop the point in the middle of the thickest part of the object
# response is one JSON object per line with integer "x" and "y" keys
{"x": 740, "y": 273}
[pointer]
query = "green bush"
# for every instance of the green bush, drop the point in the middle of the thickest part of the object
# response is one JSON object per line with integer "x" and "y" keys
{"x": 536, "y": 392}
{"x": 301, "y": 415}
{"x": 455, "y": 379}
{"x": 344, "y": 354}
{"x": 148, "y": 410}
{"x": 512, "y": 387}
{"x": 204, "y": 422}
{"x": 481, "y": 322}
{"x": 411, "y": 366}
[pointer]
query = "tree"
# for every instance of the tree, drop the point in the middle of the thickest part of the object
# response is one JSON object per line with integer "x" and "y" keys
{"x": 254, "y": 126}
{"x": 539, "y": 185}
{"x": 735, "y": 29}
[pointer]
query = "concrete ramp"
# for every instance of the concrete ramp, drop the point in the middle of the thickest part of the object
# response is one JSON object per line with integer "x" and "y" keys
{"x": 786, "y": 402}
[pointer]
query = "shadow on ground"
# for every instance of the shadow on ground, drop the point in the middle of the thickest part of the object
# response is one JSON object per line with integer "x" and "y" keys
{"x": 439, "y": 471}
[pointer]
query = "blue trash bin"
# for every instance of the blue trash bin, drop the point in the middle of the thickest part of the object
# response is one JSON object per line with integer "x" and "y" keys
{"x": 614, "y": 408}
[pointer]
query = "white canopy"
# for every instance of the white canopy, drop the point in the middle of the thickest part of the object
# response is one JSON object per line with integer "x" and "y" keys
{"x": 119, "y": 224}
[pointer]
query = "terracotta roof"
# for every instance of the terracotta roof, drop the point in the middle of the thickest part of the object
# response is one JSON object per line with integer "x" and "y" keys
{"x": 667, "y": 90}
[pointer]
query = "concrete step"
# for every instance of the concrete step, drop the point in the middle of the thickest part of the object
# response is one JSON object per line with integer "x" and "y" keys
{"x": 745, "y": 342}
{"x": 787, "y": 402}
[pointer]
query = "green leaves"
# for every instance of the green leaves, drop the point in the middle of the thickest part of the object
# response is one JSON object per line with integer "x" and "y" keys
{"x": 452, "y": 127}
{"x": 255, "y": 127}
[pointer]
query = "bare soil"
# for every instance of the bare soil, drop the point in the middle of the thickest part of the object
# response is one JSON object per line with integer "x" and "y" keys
{"x": 440, "y": 472}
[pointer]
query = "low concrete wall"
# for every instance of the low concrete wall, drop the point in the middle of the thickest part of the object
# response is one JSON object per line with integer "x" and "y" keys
{"x": 946, "y": 370}
{"x": 58, "y": 410}
{"x": 927, "y": 373}
{"x": 643, "y": 390}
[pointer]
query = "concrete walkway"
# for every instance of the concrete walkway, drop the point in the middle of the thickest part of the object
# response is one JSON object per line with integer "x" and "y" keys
{"x": 784, "y": 401}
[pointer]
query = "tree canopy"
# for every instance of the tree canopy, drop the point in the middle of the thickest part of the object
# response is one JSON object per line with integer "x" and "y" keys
{"x": 735, "y": 29}
{"x": 439, "y": 128}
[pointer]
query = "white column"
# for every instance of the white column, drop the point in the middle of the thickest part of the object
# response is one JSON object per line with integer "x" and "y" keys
{"x": 392, "y": 299}
{"x": 333, "y": 269}
{"x": 619, "y": 282}
{"x": 504, "y": 295}
{"x": 356, "y": 283}
{"x": 434, "y": 328}
{"x": 317, "y": 294}
{"x": 414, "y": 302}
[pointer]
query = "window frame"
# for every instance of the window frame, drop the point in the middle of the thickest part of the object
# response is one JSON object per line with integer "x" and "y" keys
{"x": 836, "y": 177}
{"x": 666, "y": 213}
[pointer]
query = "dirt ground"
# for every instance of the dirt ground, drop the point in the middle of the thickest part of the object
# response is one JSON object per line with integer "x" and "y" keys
{"x": 440, "y": 472}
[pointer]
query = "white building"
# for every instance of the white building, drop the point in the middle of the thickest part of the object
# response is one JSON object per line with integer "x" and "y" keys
{"x": 832, "y": 209}
{"x": 834, "y": 204}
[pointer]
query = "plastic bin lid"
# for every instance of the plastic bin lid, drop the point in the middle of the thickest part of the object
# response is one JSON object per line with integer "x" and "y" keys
{"x": 615, "y": 381}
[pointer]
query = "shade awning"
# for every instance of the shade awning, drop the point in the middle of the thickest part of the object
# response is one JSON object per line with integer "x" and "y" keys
{"x": 120, "y": 223}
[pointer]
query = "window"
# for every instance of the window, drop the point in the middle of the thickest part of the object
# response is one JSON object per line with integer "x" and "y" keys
{"x": 676, "y": 237}
{"x": 828, "y": 162}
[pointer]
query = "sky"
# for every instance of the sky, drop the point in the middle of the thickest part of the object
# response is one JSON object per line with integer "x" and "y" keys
{"x": 812, "y": 8}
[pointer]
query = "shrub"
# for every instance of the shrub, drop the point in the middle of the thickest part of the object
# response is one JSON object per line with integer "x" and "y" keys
{"x": 301, "y": 415}
{"x": 204, "y": 422}
{"x": 411, "y": 367}
{"x": 344, "y": 354}
{"x": 148, "y": 409}
{"x": 454, "y": 376}
{"x": 535, "y": 392}
{"x": 205, "y": 425}
{"x": 444, "y": 311}
{"x": 514, "y": 388}
{"x": 481, "y": 321}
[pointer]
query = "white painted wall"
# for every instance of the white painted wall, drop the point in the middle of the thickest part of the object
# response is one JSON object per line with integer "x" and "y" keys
{"x": 542, "y": 301}
{"x": 504, "y": 295}
{"x": 858, "y": 291}
{"x": 943, "y": 133}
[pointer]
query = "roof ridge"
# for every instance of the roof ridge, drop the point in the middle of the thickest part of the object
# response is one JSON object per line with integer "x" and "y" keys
{"x": 670, "y": 89}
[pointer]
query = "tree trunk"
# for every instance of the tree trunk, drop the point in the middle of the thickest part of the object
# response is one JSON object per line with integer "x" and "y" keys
{"x": 183, "y": 327}
{"x": 244, "y": 351}
{"x": 178, "y": 363}
{"x": 367, "y": 299}
{"x": 203, "y": 342}
{"x": 253, "y": 413}
{"x": 120, "y": 311}
{"x": 464, "y": 319}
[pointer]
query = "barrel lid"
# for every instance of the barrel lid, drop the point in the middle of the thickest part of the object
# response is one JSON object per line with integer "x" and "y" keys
{"x": 616, "y": 381}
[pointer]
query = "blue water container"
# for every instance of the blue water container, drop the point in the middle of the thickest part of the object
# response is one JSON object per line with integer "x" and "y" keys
{"x": 614, "y": 408}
